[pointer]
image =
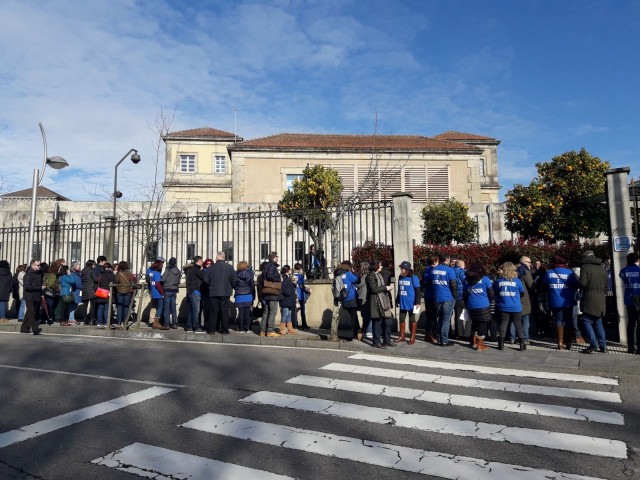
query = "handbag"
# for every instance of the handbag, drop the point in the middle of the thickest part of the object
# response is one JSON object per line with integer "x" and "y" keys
{"x": 102, "y": 292}
{"x": 271, "y": 288}
{"x": 48, "y": 292}
{"x": 68, "y": 298}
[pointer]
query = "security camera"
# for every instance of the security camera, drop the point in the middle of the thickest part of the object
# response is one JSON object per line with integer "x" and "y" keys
{"x": 135, "y": 158}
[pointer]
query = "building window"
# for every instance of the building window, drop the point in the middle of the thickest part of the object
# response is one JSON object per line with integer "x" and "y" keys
{"x": 291, "y": 177}
{"x": 152, "y": 251}
{"x": 482, "y": 167}
{"x": 191, "y": 251}
{"x": 227, "y": 248}
{"x": 264, "y": 250}
{"x": 75, "y": 251}
{"x": 299, "y": 251}
{"x": 187, "y": 164}
{"x": 220, "y": 164}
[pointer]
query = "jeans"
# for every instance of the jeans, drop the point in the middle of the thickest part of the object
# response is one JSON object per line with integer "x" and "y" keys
{"x": 514, "y": 317}
{"x": 444, "y": 310}
{"x": 563, "y": 316}
{"x": 597, "y": 338}
{"x": 103, "y": 311}
{"x": 574, "y": 318}
{"x": 169, "y": 307}
{"x": 525, "y": 328}
{"x": 244, "y": 318}
{"x": 269, "y": 316}
{"x": 285, "y": 315}
{"x": 21, "y": 310}
{"x": 158, "y": 305}
{"x": 122, "y": 306}
{"x": 3, "y": 309}
{"x": 72, "y": 311}
{"x": 193, "y": 320}
{"x": 377, "y": 330}
{"x": 633, "y": 329}
{"x": 366, "y": 317}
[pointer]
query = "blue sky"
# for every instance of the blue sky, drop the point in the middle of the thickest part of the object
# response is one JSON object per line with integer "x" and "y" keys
{"x": 544, "y": 77}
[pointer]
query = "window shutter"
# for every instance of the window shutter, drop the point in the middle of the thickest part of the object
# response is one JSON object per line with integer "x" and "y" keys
{"x": 438, "y": 183}
{"x": 415, "y": 182}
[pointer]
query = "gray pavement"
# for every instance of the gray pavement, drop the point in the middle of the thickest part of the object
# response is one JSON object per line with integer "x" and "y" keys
{"x": 541, "y": 352}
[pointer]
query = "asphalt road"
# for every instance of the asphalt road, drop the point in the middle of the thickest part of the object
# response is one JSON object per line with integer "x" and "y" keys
{"x": 49, "y": 376}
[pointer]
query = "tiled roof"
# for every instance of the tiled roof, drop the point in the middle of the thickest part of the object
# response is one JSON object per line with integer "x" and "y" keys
{"x": 303, "y": 141}
{"x": 200, "y": 132}
{"x": 465, "y": 137}
{"x": 43, "y": 192}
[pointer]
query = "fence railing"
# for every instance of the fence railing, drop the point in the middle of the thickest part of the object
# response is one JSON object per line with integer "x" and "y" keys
{"x": 248, "y": 236}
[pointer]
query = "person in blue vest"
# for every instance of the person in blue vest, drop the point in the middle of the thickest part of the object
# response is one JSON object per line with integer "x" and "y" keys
{"x": 562, "y": 284}
{"x": 430, "y": 332}
{"x": 350, "y": 303}
{"x": 509, "y": 290}
{"x": 478, "y": 295}
{"x": 459, "y": 327}
{"x": 630, "y": 276}
{"x": 408, "y": 299}
{"x": 445, "y": 291}
{"x": 302, "y": 292}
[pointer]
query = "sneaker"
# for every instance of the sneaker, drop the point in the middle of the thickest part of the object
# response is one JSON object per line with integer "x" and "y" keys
{"x": 602, "y": 349}
{"x": 590, "y": 349}
{"x": 368, "y": 335}
{"x": 199, "y": 331}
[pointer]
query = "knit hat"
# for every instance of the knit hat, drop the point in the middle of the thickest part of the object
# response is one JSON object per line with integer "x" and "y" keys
{"x": 172, "y": 262}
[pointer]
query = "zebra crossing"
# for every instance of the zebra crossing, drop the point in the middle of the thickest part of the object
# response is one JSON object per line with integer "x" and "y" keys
{"x": 421, "y": 382}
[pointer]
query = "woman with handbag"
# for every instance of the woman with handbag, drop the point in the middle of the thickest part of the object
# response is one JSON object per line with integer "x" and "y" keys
{"x": 154, "y": 279}
{"x": 51, "y": 292}
{"x": 67, "y": 298}
{"x": 105, "y": 278}
{"x": 379, "y": 305}
{"x": 271, "y": 286}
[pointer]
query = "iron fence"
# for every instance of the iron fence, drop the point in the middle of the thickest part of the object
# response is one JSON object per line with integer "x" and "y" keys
{"x": 248, "y": 235}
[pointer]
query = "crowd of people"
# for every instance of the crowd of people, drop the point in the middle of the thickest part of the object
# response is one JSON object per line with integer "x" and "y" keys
{"x": 461, "y": 302}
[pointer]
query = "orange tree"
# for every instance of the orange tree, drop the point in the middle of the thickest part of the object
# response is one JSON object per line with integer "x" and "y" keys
{"x": 314, "y": 203}
{"x": 446, "y": 222}
{"x": 553, "y": 206}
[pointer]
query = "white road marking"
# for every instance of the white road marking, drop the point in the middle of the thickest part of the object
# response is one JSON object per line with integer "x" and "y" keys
{"x": 461, "y": 400}
{"x": 160, "y": 463}
{"x": 566, "y": 377}
{"x": 52, "y": 424}
{"x": 88, "y": 375}
{"x": 472, "y": 383}
{"x": 373, "y": 453}
{"x": 430, "y": 423}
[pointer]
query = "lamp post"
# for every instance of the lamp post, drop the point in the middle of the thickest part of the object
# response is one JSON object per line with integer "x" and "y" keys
{"x": 54, "y": 162}
{"x": 110, "y": 237}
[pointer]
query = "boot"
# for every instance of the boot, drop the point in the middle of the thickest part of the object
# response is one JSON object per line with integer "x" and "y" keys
{"x": 413, "y": 326}
{"x": 480, "y": 345}
{"x": 434, "y": 336}
{"x": 402, "y": 336}
{"x": 560, "y": 332}
{"x": 568, "y": 334}
{"x": 291, "y": 330}
{"x": 474, "y": 341}
{"x": 283, "y": 329}
{"x": 156, "y": 323}
{"x": 500, "y": 343}
{"x": 523, "y": 347}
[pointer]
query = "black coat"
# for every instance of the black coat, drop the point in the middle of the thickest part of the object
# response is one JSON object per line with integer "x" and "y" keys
{"x": 271, "y": 274}
{"x": 6, "y": 280}
{"x": 221, "y": 278}
{"x": 288, "y": 293}
{"x": 32, "y": 285}
{"x": 88, "y": 283}
{"x": 195, "y": 277}
{"x": 106, "y": 277}
{"x": 594, "y": 283}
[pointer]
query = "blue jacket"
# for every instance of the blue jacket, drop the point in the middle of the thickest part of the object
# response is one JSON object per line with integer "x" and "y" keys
{"x": 67, "y": 284}
{"x": 508, "y": 293}
{"x": 349, "y": 280}
{"x": 154, "y": 277}
{"x": 445, "y": 285}
{"x": 288, "y": 293}
{"x": 480, "y": 294}
{"x": 302, "y": 292}
{"x": 408, "y": 292}
{"x": 245, "y": 289}
{"x": 76, "y": 292}
{"x": 460, "y": 276}
{"x": 562, "y": 284}
{"x": 630, "y": 276}
{"x": 426, "y": 283}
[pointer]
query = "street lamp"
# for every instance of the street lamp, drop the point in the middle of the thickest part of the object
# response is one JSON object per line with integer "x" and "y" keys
{"x": 110, "y": 225}
{"x": 54, "y": 162}
{"x": 135, "y": 158}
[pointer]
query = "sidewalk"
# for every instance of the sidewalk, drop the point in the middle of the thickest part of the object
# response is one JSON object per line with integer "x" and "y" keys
{"x": 541, "y": 353}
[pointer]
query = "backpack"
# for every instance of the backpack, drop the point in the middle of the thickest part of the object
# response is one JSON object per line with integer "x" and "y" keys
{"x": 338, "y": 289}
